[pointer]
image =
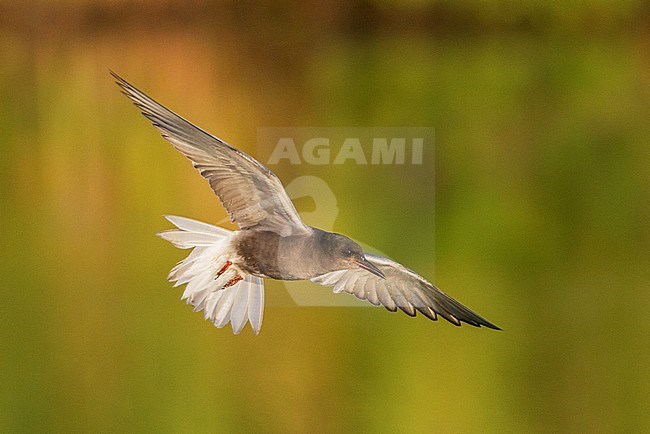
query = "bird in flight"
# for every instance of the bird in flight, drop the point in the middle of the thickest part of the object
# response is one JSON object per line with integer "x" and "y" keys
{"x": 225, "y": 270}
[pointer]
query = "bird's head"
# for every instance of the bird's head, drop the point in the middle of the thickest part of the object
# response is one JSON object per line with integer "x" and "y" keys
{"x": 347, "y": 254}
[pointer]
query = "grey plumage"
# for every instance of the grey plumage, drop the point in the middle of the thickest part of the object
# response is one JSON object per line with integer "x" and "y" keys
{"x": 251, "y": 193}
{"x": 224, "y": 272}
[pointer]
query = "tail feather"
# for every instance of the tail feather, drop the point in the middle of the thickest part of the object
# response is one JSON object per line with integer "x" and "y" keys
{"x": 195, "y": 286}
{"x": 203, "y": 272}
{"x": 237, "y": 304}
{"x": 224, "y": 306}
{"x": 190, "y": 225}
{"x": 239, "y": 309}
{"x": 211, "y": 304}
{"x": 255, "y": 301}
{"x": 188, "y": 240}
{"x": 183, "y": 266}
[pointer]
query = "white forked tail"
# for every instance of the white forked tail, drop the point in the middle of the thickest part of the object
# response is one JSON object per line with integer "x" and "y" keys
{"x": 211, "y": 276}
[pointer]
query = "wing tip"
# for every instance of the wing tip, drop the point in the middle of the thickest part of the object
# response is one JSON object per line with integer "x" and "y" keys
{"x": 172, "y": 218}
{"x": 115, "y": 75}
{"x": 122, "y": 83}
{"x": 489, "y": 325}
{"x": 481, "y": 322}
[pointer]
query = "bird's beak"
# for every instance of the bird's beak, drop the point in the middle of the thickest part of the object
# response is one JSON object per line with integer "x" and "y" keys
{"x": 369, "y": 266}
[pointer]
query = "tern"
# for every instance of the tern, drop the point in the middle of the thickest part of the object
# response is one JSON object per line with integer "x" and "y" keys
{"x": 225, "y": 270}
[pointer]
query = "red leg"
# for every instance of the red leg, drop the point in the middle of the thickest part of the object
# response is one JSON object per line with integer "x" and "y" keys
{"x": 223, "y": 269}
{"x": 232, "y": 281}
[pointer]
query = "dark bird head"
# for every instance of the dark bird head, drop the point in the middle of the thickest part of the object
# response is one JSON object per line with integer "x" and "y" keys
{"x": 342, "y": 254}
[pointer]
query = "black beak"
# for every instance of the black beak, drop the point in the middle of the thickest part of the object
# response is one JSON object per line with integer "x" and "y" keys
{"x": 369, "y": 266}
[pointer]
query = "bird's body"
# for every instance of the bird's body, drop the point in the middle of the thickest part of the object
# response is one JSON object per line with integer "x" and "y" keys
{"x": 225, "y": 269}
{"x": 291, "y": 257}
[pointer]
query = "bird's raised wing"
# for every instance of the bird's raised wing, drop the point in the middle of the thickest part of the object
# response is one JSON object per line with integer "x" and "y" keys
{"x": 402, "y": 288}
{"x": 251, "y": 193}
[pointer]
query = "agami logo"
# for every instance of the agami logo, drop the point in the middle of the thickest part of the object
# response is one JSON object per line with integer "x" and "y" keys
{"x": 322, "y": 150}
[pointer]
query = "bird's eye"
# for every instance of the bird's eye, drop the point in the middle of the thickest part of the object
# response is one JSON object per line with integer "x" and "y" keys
{"x": 348, "y": 252}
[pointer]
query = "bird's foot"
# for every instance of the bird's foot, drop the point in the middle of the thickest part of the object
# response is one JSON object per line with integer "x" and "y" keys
{"x": 223, "y": 269}
{"x": 232, "y": 281}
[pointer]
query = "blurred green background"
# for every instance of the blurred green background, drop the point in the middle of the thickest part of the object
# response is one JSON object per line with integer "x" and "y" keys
{"x": 542, "y": 181}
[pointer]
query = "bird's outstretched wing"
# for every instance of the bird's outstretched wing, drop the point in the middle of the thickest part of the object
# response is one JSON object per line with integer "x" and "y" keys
{"x": 402, "y": 288}
{"x": 251, "y": 193}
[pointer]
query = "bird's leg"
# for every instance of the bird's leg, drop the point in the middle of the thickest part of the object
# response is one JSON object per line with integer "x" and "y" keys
{"x": 223, "y": 269}
{"x": 232, "y": 281}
